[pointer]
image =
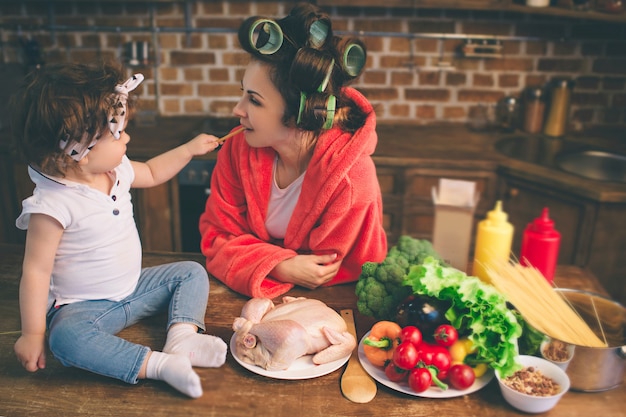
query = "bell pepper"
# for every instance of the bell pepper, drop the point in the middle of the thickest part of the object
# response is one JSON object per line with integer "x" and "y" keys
{"x": 479, "y": 369}
{"x": 462, "y": 351}
{"x": 379, "y": 345}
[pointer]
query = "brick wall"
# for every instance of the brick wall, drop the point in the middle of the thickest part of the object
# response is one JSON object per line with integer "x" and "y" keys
{"x": 416, "y": 79}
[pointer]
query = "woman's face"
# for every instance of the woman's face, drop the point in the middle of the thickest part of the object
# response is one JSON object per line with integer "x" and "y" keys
{"x": 261, "y": 108}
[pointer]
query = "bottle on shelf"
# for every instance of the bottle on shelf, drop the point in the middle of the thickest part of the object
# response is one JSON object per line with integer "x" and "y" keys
{"x": 540, "y": 245}
{"x": 534, "y": 110}
{"x": 494, "y": 237}
{"x": 560, "y": 92}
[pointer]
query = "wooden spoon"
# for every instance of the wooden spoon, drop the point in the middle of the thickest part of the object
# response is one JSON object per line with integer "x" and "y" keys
{"x": 356, "y": 384}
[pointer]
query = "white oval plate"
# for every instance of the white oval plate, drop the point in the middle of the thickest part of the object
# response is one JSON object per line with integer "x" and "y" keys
{"x": 301, "y": 368}
{"x": 433, "y": 392}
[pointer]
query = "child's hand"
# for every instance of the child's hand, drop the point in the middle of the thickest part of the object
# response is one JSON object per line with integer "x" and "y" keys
{"x": 202, "y": 144}
{"x": 31, "y": 351}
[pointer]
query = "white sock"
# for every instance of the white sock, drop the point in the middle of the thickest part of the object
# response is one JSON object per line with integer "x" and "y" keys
{"x": 202, "y": 349}
{"x": 176, "y": 370}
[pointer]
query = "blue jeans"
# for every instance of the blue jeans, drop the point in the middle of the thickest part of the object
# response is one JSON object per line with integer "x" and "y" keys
{"x": 82, "y": 334}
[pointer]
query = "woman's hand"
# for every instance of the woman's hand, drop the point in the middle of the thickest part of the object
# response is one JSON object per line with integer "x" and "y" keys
{"x": 31, "y": 351}
{"x": 309, "y": 271}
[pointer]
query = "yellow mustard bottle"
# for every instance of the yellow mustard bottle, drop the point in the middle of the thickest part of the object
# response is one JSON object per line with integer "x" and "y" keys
{"x": 494, "y": 237}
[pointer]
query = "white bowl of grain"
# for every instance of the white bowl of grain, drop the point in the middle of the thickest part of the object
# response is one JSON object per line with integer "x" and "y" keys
{"x": 537, "y": 387}
{"x": 557, "y": 352}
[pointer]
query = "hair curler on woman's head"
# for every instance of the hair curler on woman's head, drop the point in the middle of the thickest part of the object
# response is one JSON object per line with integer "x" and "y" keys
{"x": 308, "y": 65}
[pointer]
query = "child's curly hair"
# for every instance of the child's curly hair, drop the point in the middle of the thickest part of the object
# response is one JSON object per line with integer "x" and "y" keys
{"x": 60, "y": 102}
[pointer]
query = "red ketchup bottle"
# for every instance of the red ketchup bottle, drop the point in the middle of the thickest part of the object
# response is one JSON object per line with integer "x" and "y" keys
{"x": 540, "y": 245}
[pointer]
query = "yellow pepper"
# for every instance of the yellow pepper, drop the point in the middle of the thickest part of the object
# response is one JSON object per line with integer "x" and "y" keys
{"x": 459, "y": 351}
{"x": 480, "y": 369}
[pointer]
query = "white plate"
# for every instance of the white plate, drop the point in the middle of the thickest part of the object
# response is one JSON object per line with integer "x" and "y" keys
{"x": 433, "y": 392}
{"x": 301, "y": 368}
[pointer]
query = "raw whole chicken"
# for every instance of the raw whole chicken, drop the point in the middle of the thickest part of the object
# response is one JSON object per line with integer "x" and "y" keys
{"x": 273, "y": 336}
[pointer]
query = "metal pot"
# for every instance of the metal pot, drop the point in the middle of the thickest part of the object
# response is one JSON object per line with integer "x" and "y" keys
{"x": 595, "y": 369}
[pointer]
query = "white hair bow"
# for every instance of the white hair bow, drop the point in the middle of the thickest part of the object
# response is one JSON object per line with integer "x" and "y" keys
{"x": 117, "y": 114}
{"x": 116, "y": 120}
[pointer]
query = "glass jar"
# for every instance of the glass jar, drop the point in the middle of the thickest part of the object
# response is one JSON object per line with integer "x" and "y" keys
{"x": 534, "y": 109}
{"x": 507, "y": 114}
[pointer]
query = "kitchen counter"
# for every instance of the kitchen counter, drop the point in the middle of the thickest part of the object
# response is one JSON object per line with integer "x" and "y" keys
{"x": 436, "y": 146}
{"x": 432, "y": 146}
{"x": 233, "y": 390}
{"x": 429, "y": 146}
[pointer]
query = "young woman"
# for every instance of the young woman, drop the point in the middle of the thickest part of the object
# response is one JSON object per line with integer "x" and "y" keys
{"x": 295, "y": 198}
{"x": 82, "y": 279}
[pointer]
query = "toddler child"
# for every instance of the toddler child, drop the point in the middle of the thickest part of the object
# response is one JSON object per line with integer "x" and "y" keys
{"x": 82, "y": 279}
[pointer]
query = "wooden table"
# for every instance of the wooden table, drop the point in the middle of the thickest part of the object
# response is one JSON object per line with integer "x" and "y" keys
{"x": 233, "y": 390}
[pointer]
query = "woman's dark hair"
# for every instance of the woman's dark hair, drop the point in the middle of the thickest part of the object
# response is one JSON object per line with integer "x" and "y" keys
{"x": 59, "y": 102}
{"x": 307, "y": 65}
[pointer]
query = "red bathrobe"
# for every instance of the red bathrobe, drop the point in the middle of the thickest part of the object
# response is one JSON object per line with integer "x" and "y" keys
{"x": 339, "y": 210}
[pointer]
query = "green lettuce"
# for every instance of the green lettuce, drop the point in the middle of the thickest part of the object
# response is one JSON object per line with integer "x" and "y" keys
{"x": 477, "y": 308}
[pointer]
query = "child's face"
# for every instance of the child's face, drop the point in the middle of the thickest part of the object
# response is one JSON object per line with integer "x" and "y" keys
{"x": 107, "y": 153}
{"x": 261, "y": 108}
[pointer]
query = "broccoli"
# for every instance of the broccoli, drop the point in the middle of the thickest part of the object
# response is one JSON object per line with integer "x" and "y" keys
{"x": 390, "y": 273}
{"x": 369, "y": 269}
{"x": 416, "y": 250}
{"x": 379, "y": 289}
{"x": 374, "y": 297}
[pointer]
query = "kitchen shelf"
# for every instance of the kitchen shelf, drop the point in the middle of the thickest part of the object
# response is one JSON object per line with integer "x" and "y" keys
{"x": 478, "y": 5}
{"x": 489, "y": 5}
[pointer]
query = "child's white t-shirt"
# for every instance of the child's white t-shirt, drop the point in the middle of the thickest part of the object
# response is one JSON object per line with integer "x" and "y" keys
{"x": 99, "y": 256}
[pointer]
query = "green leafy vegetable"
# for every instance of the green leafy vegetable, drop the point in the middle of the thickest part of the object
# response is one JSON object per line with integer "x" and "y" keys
{"x": 477, "y": 307}
{"x": 380, "y": 288}
{"x": 530, "y": 340}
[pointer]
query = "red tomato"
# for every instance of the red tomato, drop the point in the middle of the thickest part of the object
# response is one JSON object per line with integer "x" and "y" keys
{"x": 405, "y": 356}
{"x": 442, "y": 375}
{"x": 461, "y": 376}
{"x": 394, "y": 373}
{"x": 426, "y": 352}
{"x": 420, "y": 379}
{"x": 411, "y": 334}
{"x": 446, "y": 335}
{"x": 441, "y": 359}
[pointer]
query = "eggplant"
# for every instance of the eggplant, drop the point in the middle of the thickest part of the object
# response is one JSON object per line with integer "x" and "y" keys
{"x": 424, "y": 312}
